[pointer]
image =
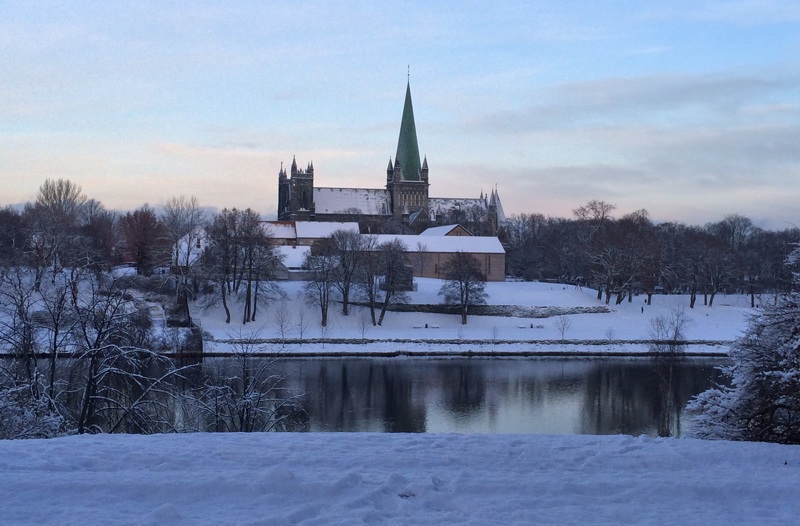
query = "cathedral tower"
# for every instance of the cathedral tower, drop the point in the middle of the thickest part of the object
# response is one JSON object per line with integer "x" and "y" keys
{"x": 406, "y": 180}
{"x": 296, "y": 193}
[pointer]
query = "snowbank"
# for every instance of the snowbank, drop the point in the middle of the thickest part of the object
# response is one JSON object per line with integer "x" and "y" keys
{"x": 359, "y": 478}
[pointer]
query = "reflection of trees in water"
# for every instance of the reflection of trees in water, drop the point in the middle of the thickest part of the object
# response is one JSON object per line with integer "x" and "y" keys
{"x": 350, "y": 395}
{"x": 402, "y": 412}
{"x": 463, "y": 386}
{"x": 642, "y": 397}
{"x": 614, "y": 396}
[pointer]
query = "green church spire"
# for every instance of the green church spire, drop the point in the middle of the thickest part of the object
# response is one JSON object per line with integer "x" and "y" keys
{"x": 407, "y": 148}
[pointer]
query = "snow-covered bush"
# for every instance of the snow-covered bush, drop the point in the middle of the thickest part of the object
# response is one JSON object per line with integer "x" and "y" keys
{"x": 763, "y": 402}
{"x": 24, "y": 415}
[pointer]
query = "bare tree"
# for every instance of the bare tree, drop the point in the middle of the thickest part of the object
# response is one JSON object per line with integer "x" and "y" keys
{"x": 181, "y": 216}
{"x": 13, "y": 238}
{"x": 144, "y": 239}
{"x": 283, "y": 320}
{"x": 99, "y": 230}
{"x": 464, "y": 285}
{"x": 183, "y": 221}
{"x": 302, "y": 326}
{"x": 594, "y": 217}
{"x": 258, "y": 262}
{"x": 368, "y": 276}
{"x": 248, "y": 394}
{"x": 668, "y": 331}
{"x": 421, "y": 255}
{"x": 597, "y": 213}
{"x": 321, "y": 260}
{"x": 668, "y": 344}
{"x": 349, "y": 249}
{"x": 50, "y": 224}
{"x": 108, "y": 331}
{"x": 563, "y": 324}
{"x": 240, "y": 260}
{"x": 57, "y": 319}
{"x": 363, "y": 326}
{"x": 396, "y": 274}
{"x": 220, "y": 260}
{"x": 17, "y": 327}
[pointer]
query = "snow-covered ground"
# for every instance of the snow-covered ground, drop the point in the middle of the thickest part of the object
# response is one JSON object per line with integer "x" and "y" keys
{"x": 282, "y": 479}
{"x": 627, "y": 322}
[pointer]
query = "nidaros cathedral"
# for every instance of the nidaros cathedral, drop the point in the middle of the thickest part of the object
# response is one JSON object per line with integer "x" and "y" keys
{"x": 404, "y": 206}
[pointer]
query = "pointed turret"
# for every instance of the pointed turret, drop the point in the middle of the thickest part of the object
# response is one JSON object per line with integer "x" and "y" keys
{"x": 389, "y": 172}
{"x": 498, "y": 206}
{"x": 407, "y": 148}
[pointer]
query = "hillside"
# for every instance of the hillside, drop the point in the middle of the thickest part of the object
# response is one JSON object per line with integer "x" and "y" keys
{"x": 613, "y": 329}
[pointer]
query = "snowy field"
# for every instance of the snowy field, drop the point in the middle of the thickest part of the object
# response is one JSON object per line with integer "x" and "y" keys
{"x": 281, "y": 479}
{"x": 624, "y": 323}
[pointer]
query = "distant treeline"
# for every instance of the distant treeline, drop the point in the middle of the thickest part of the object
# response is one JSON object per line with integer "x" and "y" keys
{"x": 618, "y": 256}
{"x": 632, "y": 254}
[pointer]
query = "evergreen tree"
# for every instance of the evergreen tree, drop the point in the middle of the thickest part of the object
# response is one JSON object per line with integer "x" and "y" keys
{"x": 763, "y": 402}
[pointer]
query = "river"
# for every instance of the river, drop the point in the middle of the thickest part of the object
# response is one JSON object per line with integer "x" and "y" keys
{"x": 473, "y": 395}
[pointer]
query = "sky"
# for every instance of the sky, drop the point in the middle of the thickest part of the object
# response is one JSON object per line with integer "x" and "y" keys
{"x": 688, "y": 109}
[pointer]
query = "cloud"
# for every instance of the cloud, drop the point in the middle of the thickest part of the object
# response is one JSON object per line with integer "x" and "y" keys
{"x": 662, "y": 99}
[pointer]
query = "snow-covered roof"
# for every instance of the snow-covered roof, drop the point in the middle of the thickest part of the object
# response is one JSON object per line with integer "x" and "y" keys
{"x": 366, "y": 201}
{"x": 292, "y": 257}
{"x": 444, "y": 204}
{"x": 318, "y": 230}
{"x": 282, "y": 229}
{"x": 438, "y": 230}
{"x": 447, "y": 244}
{"x": 191, "y": 246}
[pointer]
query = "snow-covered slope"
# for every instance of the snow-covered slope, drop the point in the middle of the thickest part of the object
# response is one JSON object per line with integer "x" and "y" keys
{"x": 627, "y": 321}
{"x": 282, "y": 479}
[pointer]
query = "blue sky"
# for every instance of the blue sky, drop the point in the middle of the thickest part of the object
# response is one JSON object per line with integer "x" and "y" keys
{"x": 690, "y": 109}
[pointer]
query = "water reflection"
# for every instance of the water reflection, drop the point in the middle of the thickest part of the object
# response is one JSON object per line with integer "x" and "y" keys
{"x": 589, "y": 396}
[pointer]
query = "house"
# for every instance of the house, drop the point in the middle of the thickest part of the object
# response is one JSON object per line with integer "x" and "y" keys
{"x": 291, "y": 259}
{"x": 189, "y": 249}
{"x": 427, "y": 254}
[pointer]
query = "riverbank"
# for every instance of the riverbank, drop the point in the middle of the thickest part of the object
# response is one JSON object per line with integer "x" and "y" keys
{"x": 550, "y": 320}
{"x": 360, "y": 478}
{"x": 334, "y": 348}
